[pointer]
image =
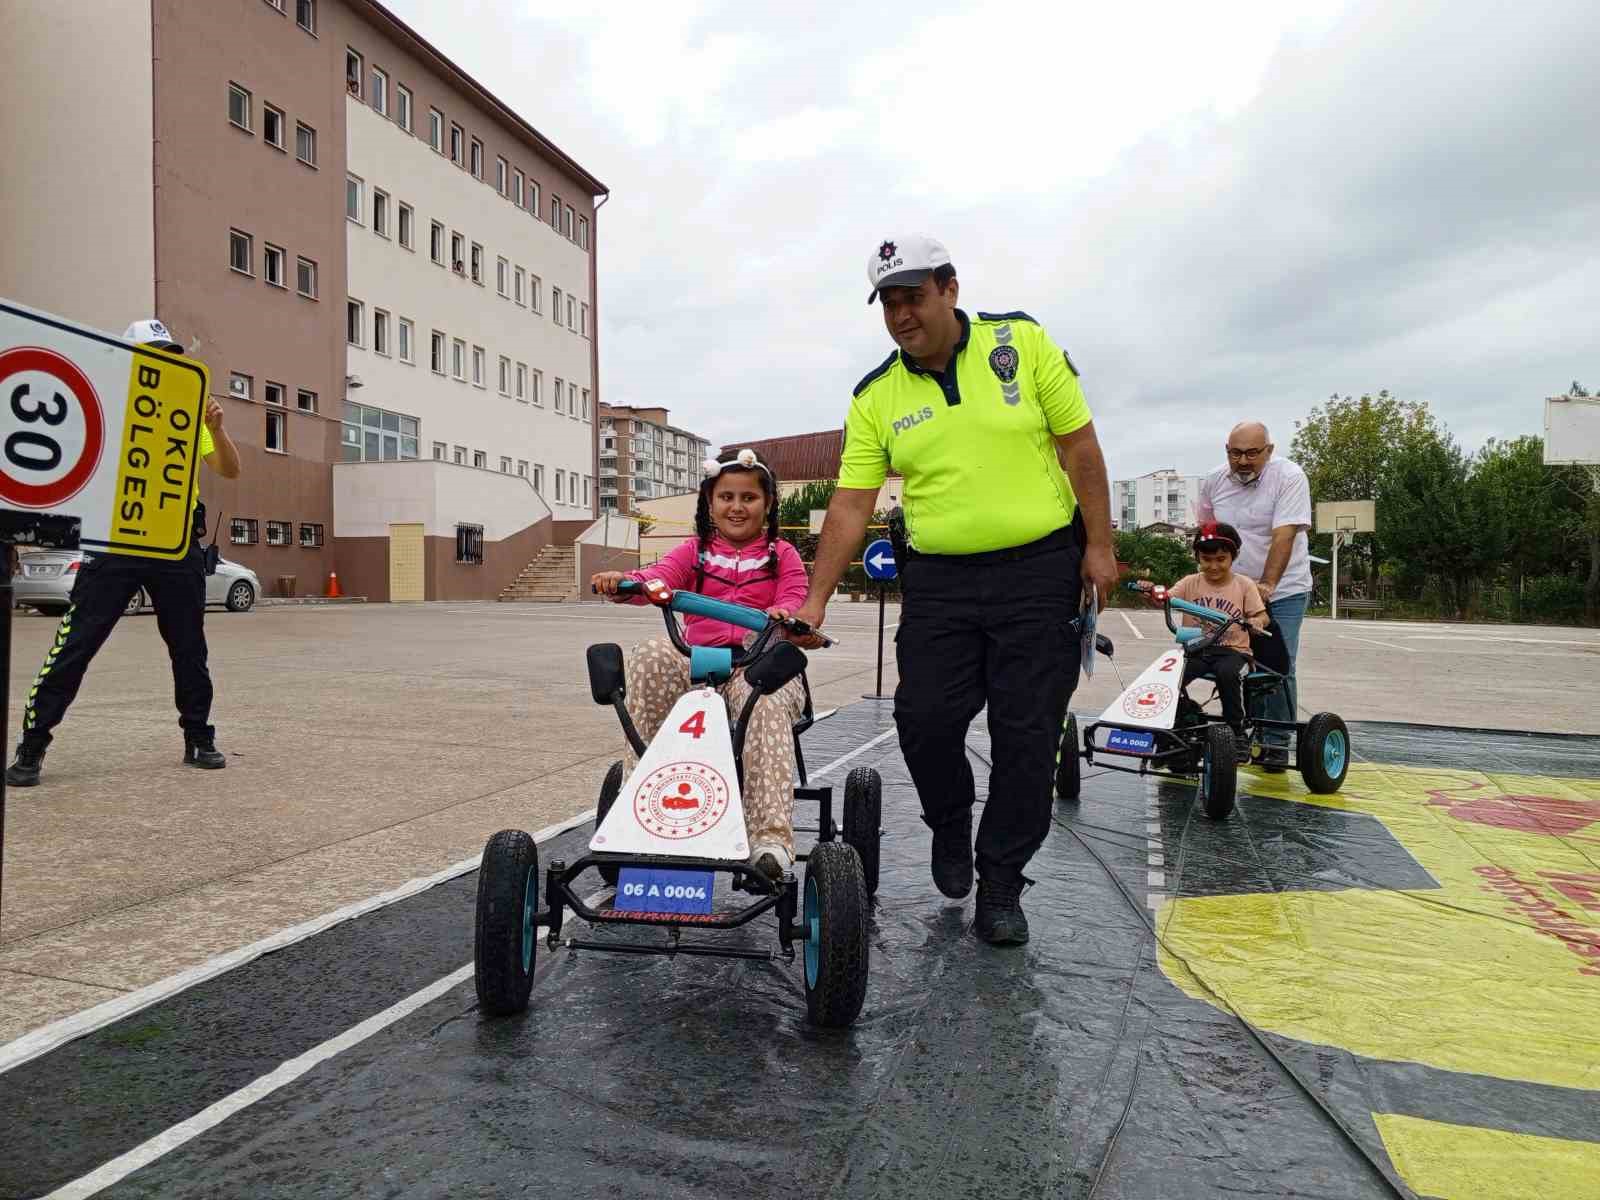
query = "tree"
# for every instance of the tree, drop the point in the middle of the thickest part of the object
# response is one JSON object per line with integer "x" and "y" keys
{"x": 1512, "y": 480}
{"x": 1153, "y": 556}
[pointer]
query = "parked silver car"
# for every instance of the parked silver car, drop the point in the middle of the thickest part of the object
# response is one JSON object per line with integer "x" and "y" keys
{"x": 44, "y": 581}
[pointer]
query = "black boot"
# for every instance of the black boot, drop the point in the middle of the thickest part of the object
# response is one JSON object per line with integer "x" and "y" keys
{"x": 952, "y": 856}
{"x": 24, "y": 769}
{"x": 999, "y": 919}
{"x": 200, "y": 750}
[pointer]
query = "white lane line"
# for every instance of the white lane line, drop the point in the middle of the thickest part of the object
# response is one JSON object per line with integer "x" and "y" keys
{"x": 1345, "y": 637}
{"x": 859, "y": 750}
{"x": 165, "y": 1142}
{"x": 1154, "y": 900}
{"x": 1155, "y": 879}
{"x": 46, "y": 1038}
{"x": 1131, "y": 626}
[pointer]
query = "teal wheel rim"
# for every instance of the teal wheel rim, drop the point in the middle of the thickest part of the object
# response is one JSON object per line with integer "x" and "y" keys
{"x": 813, "y": 929}
{"x": 527, "y": 923}
{"x": 1333, "y": 753}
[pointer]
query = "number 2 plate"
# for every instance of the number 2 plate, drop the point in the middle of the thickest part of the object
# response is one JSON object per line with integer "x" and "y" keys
{"x": 1128, "y": 741}
{"x": 647, "y": 889}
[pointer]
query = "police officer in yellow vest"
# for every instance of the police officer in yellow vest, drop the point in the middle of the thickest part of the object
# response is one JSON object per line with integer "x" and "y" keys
{"x": 972, "y": 412}
{"x": 100, "y": 595}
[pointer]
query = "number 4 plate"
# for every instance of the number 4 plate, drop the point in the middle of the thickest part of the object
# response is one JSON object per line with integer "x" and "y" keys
{"x": 646, "y": 889}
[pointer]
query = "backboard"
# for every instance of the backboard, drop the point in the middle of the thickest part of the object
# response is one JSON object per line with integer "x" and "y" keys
{"x": 1572, "y": 431}
{"x": 1346, "y": 516}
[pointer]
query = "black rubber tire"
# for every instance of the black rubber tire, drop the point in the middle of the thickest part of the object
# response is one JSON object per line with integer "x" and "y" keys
{"x": 863, "y": 821}
{"x": 1310, "y": 757}
{"x": 510, "y": 866}
{"x": 608, "y": 797}
{"x": 835, "y": 999}
{"x": 135, "y": 603}
{"x": 1069, "y": 763}
{"x": 1219, "y": 772}
{"x": 241, "y": 596}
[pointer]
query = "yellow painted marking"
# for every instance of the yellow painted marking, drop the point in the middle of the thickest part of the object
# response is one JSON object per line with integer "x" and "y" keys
{"x": 1463, "y": 1162}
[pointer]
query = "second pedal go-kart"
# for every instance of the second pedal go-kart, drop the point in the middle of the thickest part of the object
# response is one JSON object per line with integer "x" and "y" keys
{"x": 664, "y": 835}
{"x": 1155, "y": 724}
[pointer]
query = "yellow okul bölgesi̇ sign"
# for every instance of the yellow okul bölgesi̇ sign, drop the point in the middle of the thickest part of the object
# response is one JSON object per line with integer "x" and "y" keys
{"x": 158, "y": 459}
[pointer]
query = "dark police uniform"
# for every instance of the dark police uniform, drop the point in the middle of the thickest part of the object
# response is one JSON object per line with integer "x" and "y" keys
{"x": 992, "y": 579}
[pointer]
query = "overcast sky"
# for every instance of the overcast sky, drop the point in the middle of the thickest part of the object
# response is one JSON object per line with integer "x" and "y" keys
{"x": 1222, "y": 212}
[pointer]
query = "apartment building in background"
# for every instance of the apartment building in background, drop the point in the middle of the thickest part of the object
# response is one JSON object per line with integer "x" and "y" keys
{"x": 389, "y": 273}
{"x": 642, "y": 457}
{"x": 1161, "y": 497}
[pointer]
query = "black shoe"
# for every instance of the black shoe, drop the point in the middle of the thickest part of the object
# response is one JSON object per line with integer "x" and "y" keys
{"x": 202, "y": 752}
{"x": 1000, "y": 920}
{"x": 952, "y": 856}
{"x": 1274, "y": 760}
{"x": 24, "y": 769}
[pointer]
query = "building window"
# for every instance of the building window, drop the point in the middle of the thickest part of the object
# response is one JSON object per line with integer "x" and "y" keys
{"x": 272, "y": 126}
{"x": 305, "y": 143}
{"x": 586, "y": 482}
{"x": 520, "y": 277}
{"x": 534, "y": 289}
{"x": 477, "y": 159}
{"x": 306, "y": 278}
{"x": 555, "y": 305}
{"x": 354, "y": 320}
{"x": 461, "y": 456}
{"x": 456, "y": 147}
{"x": 280, "y": 533}
{"x": 439, "y": 450}
{"x": 572, "y": 401}
{"x": 273, "y": 393}
{"x": 583, "y": 320}
{"x": 380, "y": 332}
{"x": 402, "y": 106}
{"x": 585, "y": 404}
{"x": 477, "y": 263}
{"x": 458, "y": 359}
{"x": 537, "y": 395}
{"x": 352, "y": 73}
{"x": 243, "y": 531}
{"x": 352, "y": 198}
{"x": 272, "y": 264}
{"x": 522, "y": 382}
{"x": 375, "y": 435}
{"x": 555, "y": 213}
{"x": 469, "y": 544}
{"x": 505, "y": 375}
{"x": 480, "y": 459}
{"x": 380, "y": 91}
{"x": 583, "y": 232}
{"x": 239, "y": 106}
{"x": 241, "y": 252}
{"x": 533, "y": 199}
{"x": 436, "y": 129}
{"x": 436, "y": 243}
{"x": 522, "y": 467}
{"x": 516, "y": 188}
{"x": 380, "y": 213}
{"x": 404, "y": 327}
{"x": 560, "y": 395}
{"x": 566, "y": 222}
{"x": 242, "y": 386}
{"x": 572, "y": 313}
{"x": 277, "y": 4}
{"x": 505, "y": 465}
{"x": 305, "y": 400}
{"x": 538, "y": 479}
{"x": 305, "y": 15}
{"x": 277, "y": 433}
{"x": 500, "y": 169}
{"x": 501, "y": 267}
{"x": 561, "y": 486}
{"x": 311, "y": 536}
{"x": 458, "y": 253}
{"x": 407, "y": 221}
{"x": 436, "y": 353}
{"x": 478, "y": 360}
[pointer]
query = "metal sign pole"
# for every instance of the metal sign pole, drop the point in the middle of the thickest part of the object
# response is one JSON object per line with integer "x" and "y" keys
{"x": 1338, "y": 536}
{"x": 5, "y": 705}
{"x": 879, "y": 689}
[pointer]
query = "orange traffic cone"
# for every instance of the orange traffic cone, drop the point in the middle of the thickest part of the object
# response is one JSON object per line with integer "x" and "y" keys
{"x": 332, "y": 589}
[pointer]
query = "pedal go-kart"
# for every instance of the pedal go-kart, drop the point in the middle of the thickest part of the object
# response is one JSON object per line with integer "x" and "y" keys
{"x": 1156, "y": 724}
{"x": 679, "y": 825}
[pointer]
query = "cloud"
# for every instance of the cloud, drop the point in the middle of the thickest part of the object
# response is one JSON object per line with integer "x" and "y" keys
{"x": 1222, "y": 212}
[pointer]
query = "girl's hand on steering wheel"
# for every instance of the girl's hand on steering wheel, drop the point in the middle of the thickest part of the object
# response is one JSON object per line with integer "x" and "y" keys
{"x": 605, "y": 583}
{"x": 806, "y": 641}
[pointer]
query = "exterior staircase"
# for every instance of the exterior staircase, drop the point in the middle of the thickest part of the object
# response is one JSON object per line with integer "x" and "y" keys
{"x": 548, "y": 579}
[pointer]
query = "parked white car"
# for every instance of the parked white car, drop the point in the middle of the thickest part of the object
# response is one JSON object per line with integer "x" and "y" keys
{"x": 44, "y": 581}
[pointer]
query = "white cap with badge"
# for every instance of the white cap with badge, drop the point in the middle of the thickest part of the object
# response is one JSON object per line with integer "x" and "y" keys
{"x": 152, "y": 332}
{"x": 904, "y": 262}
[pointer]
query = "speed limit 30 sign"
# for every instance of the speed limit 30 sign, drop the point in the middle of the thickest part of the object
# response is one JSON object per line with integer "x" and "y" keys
{"x": 95, "y": 428}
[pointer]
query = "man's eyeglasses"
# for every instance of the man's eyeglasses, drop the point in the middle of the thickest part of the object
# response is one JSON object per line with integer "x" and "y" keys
{"x": 1249, "y": 455}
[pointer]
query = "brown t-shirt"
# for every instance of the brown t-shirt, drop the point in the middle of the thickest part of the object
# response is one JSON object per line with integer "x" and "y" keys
{"x": 1239, "y": 597}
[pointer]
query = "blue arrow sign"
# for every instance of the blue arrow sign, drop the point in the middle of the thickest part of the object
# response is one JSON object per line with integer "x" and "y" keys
{"x": 878, "y": 560}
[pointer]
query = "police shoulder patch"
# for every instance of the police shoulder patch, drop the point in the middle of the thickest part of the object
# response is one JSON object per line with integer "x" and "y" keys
{"x": 1010, "y": 316}
{"x": 877, "y": 372}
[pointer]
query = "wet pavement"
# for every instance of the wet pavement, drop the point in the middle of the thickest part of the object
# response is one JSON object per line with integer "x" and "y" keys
{"x": 1377, "y": 993}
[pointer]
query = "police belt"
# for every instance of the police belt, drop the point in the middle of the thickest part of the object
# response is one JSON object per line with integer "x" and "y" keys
{"x": 1060, "y": 539}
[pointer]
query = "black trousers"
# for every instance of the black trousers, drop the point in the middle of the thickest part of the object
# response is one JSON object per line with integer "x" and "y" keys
{"x": 105, "y": 584}
{"x": 989, "y": 630}
{"x": 1228, "y": 668}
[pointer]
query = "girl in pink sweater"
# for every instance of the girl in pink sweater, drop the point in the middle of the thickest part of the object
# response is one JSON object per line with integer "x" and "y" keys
{"x": 737, "y": 556}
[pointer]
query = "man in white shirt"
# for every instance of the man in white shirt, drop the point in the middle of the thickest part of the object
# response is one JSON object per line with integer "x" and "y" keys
{"x": 1269, "y": 502}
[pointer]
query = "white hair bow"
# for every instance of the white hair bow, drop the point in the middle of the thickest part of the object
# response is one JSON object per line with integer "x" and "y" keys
{"x": 745, "y": 459}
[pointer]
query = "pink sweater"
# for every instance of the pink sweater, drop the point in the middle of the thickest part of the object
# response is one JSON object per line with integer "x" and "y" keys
{"x": 737, "y": 575}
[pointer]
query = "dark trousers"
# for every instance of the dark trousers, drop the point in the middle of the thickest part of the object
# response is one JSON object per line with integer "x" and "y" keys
{"x": 1228, "y": 668}
{"x": 996, "y": 630}
{"x": 100, "y": 595}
